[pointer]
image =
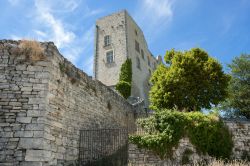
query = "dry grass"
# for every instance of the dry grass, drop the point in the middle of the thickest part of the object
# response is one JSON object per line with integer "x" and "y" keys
{"x": 32, "y": 49}
{"x": 232, "y": 163}
{"x": 213, "y": 163}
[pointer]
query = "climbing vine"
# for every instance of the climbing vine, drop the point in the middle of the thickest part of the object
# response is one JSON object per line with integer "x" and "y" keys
{"x": 165, "y": 128}
{"x": 125, "y": 79}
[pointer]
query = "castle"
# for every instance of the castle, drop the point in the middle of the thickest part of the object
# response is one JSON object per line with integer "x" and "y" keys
{"x": 117, "y": 38}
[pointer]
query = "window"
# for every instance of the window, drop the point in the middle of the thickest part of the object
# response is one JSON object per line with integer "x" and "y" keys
{"x": 135, "y": 32}
{"x": 137, "y": 46}
{"x": 107, "y": 40}
{"x": 110, "y": 57}
{"x": 148, "y": 61}
{"x": 138, "y": 64}
{"x": 142, "y": 53}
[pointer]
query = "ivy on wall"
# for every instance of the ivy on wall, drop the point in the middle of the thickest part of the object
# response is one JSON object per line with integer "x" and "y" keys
{"x": 125, "y": 79}
{"x": 165, "y": 128}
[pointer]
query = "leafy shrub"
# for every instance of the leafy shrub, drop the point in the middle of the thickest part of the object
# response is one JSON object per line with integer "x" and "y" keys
{"x": 124, "y": 88}
{"x": 32, "y": 49}
{"x": 165, "y": 128}
{"x": 126, "y": 71}
{"x": 125, "y": 79}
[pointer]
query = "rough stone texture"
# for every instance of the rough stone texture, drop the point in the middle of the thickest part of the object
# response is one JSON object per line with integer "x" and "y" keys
{"x": 241, "y": 136}
{"x": 123, "y": 31}
{"x": 240, "y": 131}
{"x": 44, "y": 104}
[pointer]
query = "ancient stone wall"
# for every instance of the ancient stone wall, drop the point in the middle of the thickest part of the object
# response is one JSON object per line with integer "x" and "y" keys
{"x": 44, "y": 103}
{"x": 186, "y": 152}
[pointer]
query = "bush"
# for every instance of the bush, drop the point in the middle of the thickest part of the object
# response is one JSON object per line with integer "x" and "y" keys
{"x": 126, "y": 71}
{"x": 166, "y": 127}
{"x": 125, "y": 79}
{"x": 124, "y": 88}
{"x": 32, "y": 49}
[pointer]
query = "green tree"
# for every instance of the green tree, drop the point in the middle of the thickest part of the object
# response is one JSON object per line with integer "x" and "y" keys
{"x": 125, "y": 79}
{"x": 190, "y": 81}
{"x": 239, "y": 86}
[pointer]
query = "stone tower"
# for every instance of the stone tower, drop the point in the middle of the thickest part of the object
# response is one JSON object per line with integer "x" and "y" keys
{"x": 117, "y": 38}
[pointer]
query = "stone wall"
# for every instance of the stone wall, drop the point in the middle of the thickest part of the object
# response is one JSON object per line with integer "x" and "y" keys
{"x": 186, "y": 152}
{"x": 44, "y": 104}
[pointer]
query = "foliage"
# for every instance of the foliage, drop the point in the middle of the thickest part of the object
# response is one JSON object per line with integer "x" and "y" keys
{"x": 126, "y": 71}
{"x": 124, "y": 88}
{"x": 32, "y": 49}
{"x": 73, "y": 75}
{"x": 125, "y": 79}
{"x": 166, "y": 127}
{"x": 192, "y": 80}
{"x": 185, "y": 156}
{"x": 239, "y": 87}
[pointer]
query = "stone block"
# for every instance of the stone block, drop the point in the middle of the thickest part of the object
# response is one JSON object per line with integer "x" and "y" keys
{"x": 11, "y": 145}
{"x": 31, "y": 163}
{"x": 5, "y": 134}
{"x": 36, "y": 113}
{"x": 34, "y": 68}
{"x": 38, "y": 133}
{"x": 21, "y": 67}
{"x": 26, "y": 89}
{"x": 42, "y": 75}
{"x": 23, "y": 134}
{"x": 38, "y": 155}
{"x": 24, "y": 119}
{"x": 35, "y": 100}
{"x": 4, "y": 124}
{"x": 34, "y": 126}
{"x": 31, "y": 143}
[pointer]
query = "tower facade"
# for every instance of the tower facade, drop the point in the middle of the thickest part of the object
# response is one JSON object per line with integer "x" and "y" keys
{"x": 117, "y": 38}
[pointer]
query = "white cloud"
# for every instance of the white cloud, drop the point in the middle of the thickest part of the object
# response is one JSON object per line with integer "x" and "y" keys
{"x": 154, "y": 16}
{"x": 159, "y": 8}
{"x": 56, "y": 30}
{"x": 50, "y": 20}
{"x": 58, "y": 6}
{"x": 40, "y": 33}
{"x": 88, "y": 12}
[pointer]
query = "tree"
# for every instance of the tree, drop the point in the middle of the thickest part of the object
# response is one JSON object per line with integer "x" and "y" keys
{"x": 190, "y": 81}
{"x": 239, "y": 86}
{"x": 125, "y": 79}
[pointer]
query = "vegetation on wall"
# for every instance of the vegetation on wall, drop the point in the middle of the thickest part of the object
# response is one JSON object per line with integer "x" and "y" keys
{"x": 190, "y": 81}
{"x": 125, "y": 79}
{"x": 73, "y": 76}
{"x": 165, "y": 128}
{"x": 32, "y": 50}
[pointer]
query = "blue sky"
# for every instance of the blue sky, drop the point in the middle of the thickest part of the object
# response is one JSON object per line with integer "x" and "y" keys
{"x": 221, "y": 27}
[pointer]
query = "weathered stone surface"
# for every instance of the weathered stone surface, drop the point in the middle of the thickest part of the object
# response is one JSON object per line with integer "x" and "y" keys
{"x": 31, "y": 163}
{"x": 38, "y": 155}
{"x": 23, "y": 134}
{"x": 240, "y": 135}
{"x": 43, "y": 109}
{"x": 24, "y": 119}
{"x": 31, "y": 143}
